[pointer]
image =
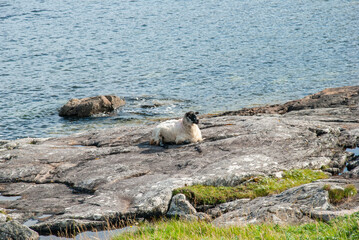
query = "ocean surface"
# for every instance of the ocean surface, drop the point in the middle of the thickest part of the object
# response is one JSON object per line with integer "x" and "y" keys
{"x": 167, "y": 57}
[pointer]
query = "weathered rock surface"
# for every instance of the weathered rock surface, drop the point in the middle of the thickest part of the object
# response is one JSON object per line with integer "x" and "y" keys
{"x": 86, "y": 107}
{"x": 293, "y": 206}
{"x": 13, "y": 230}
{"x": 182, "y": 208}
{"x": 94, "y": 177}
{"x": 328, "y": 98}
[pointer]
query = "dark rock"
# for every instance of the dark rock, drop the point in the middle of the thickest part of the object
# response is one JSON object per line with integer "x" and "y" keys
{"x": 334, "y": 171}
{"x": 86, "y": 107}
{"x": 328, "y": 98}
{"x": 354, "y": 173}
{"x": 353, "y": 164}
{"x": 93, "y": 178}
{"x": 13, "y": 230}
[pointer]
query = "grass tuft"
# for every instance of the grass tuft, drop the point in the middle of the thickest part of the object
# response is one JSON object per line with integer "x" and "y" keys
{"x": 258, "y": 187}
{"x": 338, "y": 195}
{"x": 340, "y": 228}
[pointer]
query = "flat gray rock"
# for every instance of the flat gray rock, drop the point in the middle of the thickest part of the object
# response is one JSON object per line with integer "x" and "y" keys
{"x": 91, "y": 178}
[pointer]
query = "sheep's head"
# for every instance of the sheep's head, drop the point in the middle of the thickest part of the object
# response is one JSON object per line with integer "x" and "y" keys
{"x": 191, "y": 117}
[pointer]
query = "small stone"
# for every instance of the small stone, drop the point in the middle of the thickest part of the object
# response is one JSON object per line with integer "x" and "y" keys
{"x": 180, "y": 206}
{"x": 2, "y": 217}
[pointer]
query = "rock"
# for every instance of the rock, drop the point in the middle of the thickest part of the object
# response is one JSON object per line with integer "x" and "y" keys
{"x": 180, "y": 206}
{"x": 334, "y": 171}
{"x": 301, "y": 204}
{"x": 328, "y": 98}
{"x": 86, "y": 107}
{"x": 353, "y": 164}
{"x": 227, "y": 207}
{"x": 292, "y": 206}
{"x": 329, "y": 215}
{"x": 203, "y": 216}
{"x": 13, "y": 230}
{"x": 354, "y": 173}
{"x": 92, "y": 178}
{"x": 3, "y": 217}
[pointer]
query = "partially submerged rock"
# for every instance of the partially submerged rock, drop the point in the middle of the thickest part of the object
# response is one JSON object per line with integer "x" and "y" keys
{"x": 86, "y": 107}
{"x": 97, "y": 177}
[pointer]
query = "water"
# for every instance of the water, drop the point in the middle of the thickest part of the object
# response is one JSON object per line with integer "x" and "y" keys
{"x": 9, "y": 198}
{"x": 353, "y": 150}
{"x": 201, "y": 55}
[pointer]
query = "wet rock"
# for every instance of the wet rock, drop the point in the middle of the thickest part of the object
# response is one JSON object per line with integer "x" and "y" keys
{"x": 86, "y": 107}
{"x": 334, "y": 171}
{"x": 354, "y": 173}
{"x": 13, "y": 230}
{"x": 91, "y": 178}
{"x": 328, "y": 98}
{"x": 353, "y": 164}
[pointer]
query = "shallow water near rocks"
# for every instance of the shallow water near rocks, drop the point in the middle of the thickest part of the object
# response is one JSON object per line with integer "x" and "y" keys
{"x": 167, "y": 57}
{"x": 356, "y": 153}
{"x": 9, "y": 198}
{"x": 353, "y": 150}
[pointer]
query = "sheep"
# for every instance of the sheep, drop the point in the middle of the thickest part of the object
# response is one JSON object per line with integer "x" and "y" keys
{"x": 178, "y": 131}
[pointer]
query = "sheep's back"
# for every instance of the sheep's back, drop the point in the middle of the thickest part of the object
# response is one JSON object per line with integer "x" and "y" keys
{"x": 170, "y": 129}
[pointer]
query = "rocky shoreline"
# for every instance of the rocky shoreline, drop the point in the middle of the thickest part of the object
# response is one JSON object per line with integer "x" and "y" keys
{"x": 93, "y": 178}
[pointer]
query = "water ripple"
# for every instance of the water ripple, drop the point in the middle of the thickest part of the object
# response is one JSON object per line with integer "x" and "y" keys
{"x": 173, "y": 55}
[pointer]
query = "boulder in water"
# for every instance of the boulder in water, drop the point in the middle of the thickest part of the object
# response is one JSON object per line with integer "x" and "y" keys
{"x": 86, "y": 107}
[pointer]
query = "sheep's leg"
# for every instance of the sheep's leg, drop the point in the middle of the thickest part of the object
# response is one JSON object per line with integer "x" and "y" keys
{"x": 162, "y": 143}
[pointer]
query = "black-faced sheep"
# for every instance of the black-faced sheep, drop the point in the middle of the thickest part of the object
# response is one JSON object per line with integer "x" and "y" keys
{"x": 178, "y": 131}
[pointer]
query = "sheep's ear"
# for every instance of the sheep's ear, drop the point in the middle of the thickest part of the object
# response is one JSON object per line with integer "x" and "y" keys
{"x": 196, "y": 113}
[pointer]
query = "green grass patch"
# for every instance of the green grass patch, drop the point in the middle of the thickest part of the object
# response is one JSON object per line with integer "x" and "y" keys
{"x": 258, "y": 187}
{"x": 338, "y": 195}
{"x": 340, "y": 228}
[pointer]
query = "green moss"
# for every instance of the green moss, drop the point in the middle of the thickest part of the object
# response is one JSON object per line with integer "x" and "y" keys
{"x": 324, "y": 167}
{"x": 258, "y": 187}
{"x": 340, "y": 228}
